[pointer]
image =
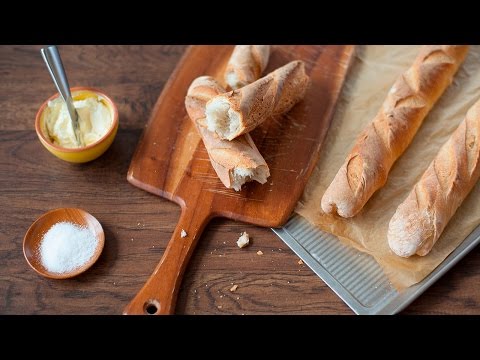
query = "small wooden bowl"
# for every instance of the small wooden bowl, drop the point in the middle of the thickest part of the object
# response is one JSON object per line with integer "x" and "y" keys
{"x": 37, "y": 230}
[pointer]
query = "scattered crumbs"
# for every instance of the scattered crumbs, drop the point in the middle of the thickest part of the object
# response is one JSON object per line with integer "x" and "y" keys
{"x": 219, "y": 306}
{"x": 300, "y": 262}
{"x": 279, "y": 249}
{"x": 234, "y": 288}
{"x": 206, "y": 285}
{"x": 243, "y": 314}
{"x": 131, "y": 239}
{"x": 259, "y": 252}
{"x": 231, "y": 283}
{"x": 243, "y": 240}
{"x": 138, "y": 224}
{"x": 183, "y": 233}
{"x": 288, "y": 282}
{"x": 154, "y": 143}
{"x": 238, "y": 297}
{"x": 271, "y": 183}
{"x": 153, "y": 246}
{"x": 221, "y": 296}
{"x": 114, "y": 283}
{"x": 224, "y": 243}
{"x": 195, "y": 291}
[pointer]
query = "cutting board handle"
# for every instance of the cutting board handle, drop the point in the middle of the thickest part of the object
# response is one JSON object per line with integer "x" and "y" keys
{"x": 158, "y": 296}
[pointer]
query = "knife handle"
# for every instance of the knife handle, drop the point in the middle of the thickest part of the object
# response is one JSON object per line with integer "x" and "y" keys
{"x": 159, "y": 294}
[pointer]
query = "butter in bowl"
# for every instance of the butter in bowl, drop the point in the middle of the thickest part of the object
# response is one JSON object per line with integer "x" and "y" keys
{"x": 98, "y": 125}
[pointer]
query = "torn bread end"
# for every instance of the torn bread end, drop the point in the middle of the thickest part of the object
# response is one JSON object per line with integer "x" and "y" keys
{"x": 240, "y": 176}
{"x": 221, "y": 119}
{"x": 243, "y": 240}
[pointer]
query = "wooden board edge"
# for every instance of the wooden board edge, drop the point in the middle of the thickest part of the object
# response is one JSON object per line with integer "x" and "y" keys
{"x": 350, "y": 51}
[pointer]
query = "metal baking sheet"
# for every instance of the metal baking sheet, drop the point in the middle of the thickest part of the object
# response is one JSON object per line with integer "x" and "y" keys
{"x": 355, "y": 276}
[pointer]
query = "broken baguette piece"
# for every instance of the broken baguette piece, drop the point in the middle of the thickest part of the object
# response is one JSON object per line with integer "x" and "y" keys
{"x": 238, "y": 112}
{"x": 246, "y": 64}
{"x": 235, "y": 162}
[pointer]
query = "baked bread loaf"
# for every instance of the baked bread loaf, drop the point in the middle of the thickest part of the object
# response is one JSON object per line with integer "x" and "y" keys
{"x": 238, "y": 112}
{"x": 246, "y": 64}
{"x": 383, "y": 141}
{"x": 235, "y": 162}
{"x": 420, "y": 220}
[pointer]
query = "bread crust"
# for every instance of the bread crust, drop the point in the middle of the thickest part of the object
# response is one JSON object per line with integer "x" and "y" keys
{"x": 387, "y": 136}
{"x": 274, "y": 94}
{"x": 420, "y": 220}
{"x": 246, "y": 64}
{"x": 225, "y": 156}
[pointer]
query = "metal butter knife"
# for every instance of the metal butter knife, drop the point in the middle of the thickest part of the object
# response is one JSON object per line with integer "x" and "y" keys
{"x": 52, "y": 59}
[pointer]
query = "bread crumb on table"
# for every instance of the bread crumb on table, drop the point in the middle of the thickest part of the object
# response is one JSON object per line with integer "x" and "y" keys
{"x": 300, "y": 262}
{"x": 234, "y": 288}
{"x": 183, "y": 233}
{"x": 243, "y": 240}
{"x": 259, "y": 252}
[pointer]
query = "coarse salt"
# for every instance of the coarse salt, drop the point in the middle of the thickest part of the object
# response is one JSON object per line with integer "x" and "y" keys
{"x": 66, "y": 246}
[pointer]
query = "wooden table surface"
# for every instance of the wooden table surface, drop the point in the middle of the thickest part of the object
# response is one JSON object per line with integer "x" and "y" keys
{"x": 137, "y": 224}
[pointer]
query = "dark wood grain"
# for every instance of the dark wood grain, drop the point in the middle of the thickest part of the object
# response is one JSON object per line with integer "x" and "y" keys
{"x": 137, "y": 224}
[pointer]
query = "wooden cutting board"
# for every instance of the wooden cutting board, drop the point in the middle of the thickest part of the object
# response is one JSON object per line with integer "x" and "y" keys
{"x": 171, "y": 161}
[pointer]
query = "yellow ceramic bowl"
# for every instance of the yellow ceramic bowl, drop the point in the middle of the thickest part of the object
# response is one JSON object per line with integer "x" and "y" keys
{"x": 83, "y": 154}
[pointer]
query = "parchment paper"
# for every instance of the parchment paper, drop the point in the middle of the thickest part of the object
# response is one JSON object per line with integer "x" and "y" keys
{"x": 372, "y": 74}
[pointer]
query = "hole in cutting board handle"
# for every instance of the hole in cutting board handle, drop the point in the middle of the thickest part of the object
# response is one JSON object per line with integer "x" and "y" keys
{"x": 151, "y": 307}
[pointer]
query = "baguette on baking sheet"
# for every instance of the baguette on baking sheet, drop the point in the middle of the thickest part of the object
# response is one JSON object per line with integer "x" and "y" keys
{"x": 235, "y": 162}
{"x": 238, "y": 112}
{"x": 246, "y": 64}
{"x": 384, "y": 140}
{"x": 420, "y": 220}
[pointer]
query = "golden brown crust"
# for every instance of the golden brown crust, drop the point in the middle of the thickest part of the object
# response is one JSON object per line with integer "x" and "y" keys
{"x": 383, "y": 141}
{"x": 274, "y": 94}
{"x": 201, "y": 90}
{"x": 246, "y": 64}
{"x": 420, "y": 220}
{"x": 225, "y": 156}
